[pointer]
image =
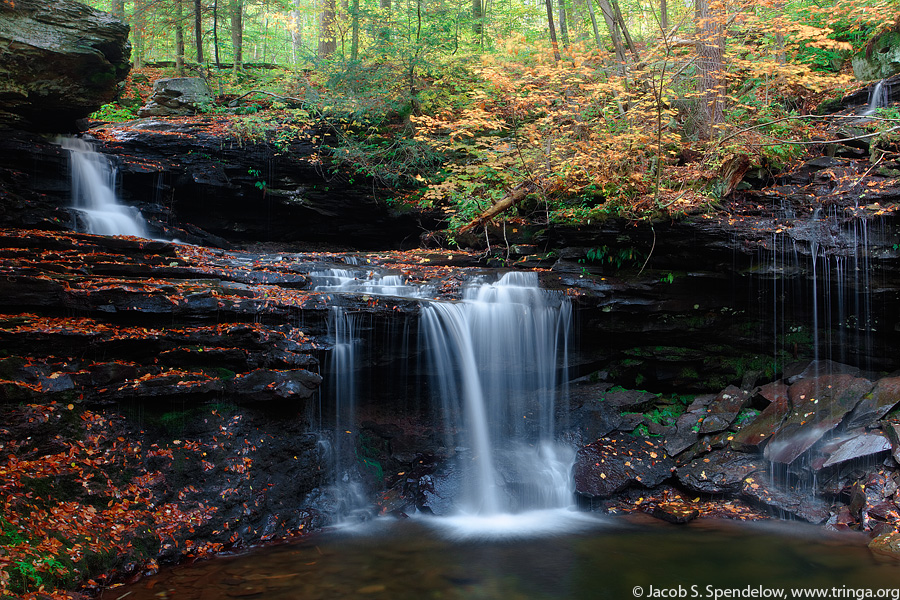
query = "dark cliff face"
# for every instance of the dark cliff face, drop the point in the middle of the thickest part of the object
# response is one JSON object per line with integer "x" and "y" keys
{"x": 61, "y": 61}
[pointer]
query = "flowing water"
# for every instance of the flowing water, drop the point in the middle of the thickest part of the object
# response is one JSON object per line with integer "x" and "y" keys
{"x": 879, "y": 96}
{"x": 94, "y": 196}
{"x": 410, "y": 560}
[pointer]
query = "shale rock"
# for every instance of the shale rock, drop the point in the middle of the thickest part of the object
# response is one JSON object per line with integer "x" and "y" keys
{"x": 62, "y": 61}
{"x": 720, "y": 472}
{"x": 612, "y": 464}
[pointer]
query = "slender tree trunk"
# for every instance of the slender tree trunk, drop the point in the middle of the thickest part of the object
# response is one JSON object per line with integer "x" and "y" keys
{"x": 198, "y": 30}
{"x": 117, "y": 8}
{"x": 563, "y": 24}
{"x": 710, "y": 64}
{"x": 327, "y": 37}
{"x": 216, "y": 33}
{"x": 610, "y": 19}
{"x": 179, "y": 38}
{"x": 621, "y": 21}
{"x": 138, "y": 25}
{"x": 296, "y": 31}
{"x": 477, "y": 19}
{"x": 590, "y": 6}
{"x": 664, "y": 16}
{"x": 385, "y": 31}
{"x": 237, "y": 34}
{"x": 553, "y": 42}
{"x": 354, "y": 33}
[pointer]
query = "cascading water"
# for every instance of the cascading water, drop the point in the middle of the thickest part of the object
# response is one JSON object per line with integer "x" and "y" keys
{"x": 494, "y": 364}
{"x": 879, "y": 97}
{"x": 93, "y": 195}
{"x": 494, "y": 361}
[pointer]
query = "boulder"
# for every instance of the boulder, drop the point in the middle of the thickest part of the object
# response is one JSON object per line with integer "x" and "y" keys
{"x": 177, "y": 97}
{"x": 724, "y": 410}
{"x": 879, "y": 59}
{"x": 62, "y": 61}
{"x": 818, "y": 405}
{"x": 720, "y": 472}
{"x": 613, "y": 464}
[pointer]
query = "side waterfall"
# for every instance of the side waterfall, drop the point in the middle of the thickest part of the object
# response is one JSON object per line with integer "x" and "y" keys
{"x": 93, "y": 193}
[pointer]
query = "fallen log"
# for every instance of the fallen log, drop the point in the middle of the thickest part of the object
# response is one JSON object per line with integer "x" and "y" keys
{"x": 514, "y": 196}
{"x": 237, "y": 100}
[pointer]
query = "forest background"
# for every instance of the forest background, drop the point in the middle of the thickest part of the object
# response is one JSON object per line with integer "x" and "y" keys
{"x": 551, "y": 110}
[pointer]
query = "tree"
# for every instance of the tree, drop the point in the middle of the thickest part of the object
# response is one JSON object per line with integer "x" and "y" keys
{"x": 478, "y": 20}
{"x": 613, "y": 28}
{"x": 664, "y": 16}
{"x": 354, "y": 30}
{"x": 710, "y": 17}
{"x": 198, "y": 30}
{"x": 138, "y": 26}
{"x": 237, "y": 33}
{"x": 552, "y": 29}
{"x": 296, "y": 27}
{"x": 563, "y": 24}
{"x": 179, "y": 38}
{"x": 117, "y": 8}
{"x": 327, "y": 37}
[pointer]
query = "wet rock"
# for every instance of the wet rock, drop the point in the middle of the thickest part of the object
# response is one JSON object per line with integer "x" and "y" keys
{"x": 874, "y": 405}
{"x": 720, "y": 472}
{"x": 887, "y": 544}
{"x": 685, "y": 432}
{"x": 785, "y": 502}
{"x": 177, "y": 97}
{"x": 851, "y": 445}
{"x": 755, "y": 434}
{"x": 612, "y": 464}
{"x": 723, "y": 411}
{"x": 817, "y": 368}
{"x": 267, "y": 384}
{"x": 627, "y": 400}
{"x": 673, "y": 512}
{"x": 818, "y": 405}
{"x": 62, "y": 61}
{"x": 891, "y": 430}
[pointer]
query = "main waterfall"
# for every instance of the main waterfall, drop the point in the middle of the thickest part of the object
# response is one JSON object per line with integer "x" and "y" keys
{"x": 497, "y": 360}
{"x": 93, "y": 193}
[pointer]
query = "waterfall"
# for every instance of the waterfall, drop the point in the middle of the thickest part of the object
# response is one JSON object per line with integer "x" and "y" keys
{"x": 93, "y": 195}
{"x": 493, "y": 359}
{"x": 878, "y": 98}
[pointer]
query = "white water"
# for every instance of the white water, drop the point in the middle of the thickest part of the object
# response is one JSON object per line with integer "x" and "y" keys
{"x": 495, "y": 364}
{"x": 93, "y": 193}
{"x": 493, "y": 360}
{"x": 878, "y": 98}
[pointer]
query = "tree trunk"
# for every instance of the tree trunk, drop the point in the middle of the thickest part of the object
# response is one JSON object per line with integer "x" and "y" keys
{"x": 237, "y": 34}
{"x": 117, "y": 8}
{"x": 216, "y": 33}
{"x": 477, "y": 19}
{"x": 138, "y": 24}
{"x": 611, "y": 25}
{"x": 327, "y": 37}
{"x": 385, "y": 31}
{"x": 179, "y": 38}
{"x": 296, "y": 32}
{"x": 198, "y": 30}
{"x": 563, "y": 24}
{"x": 354, "y": 30}
{"x": 621, "y": 21}
{"x": 710, "y": 64}
{"x": 590, "y": 6}
{"x": 552, "y": 29}
{"x": 664, "y": 16}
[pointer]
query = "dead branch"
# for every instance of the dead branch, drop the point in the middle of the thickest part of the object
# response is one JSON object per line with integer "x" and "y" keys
{"x": 513, "y": 197}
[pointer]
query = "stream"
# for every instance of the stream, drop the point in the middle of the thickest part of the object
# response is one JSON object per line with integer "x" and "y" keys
{"x": 601, "y": 558}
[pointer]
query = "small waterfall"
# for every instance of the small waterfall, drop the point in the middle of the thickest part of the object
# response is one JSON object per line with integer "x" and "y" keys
{"x": 878, "y": 98}
{"x": 494, "y": 360}
{"x": 93, "y": 195}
